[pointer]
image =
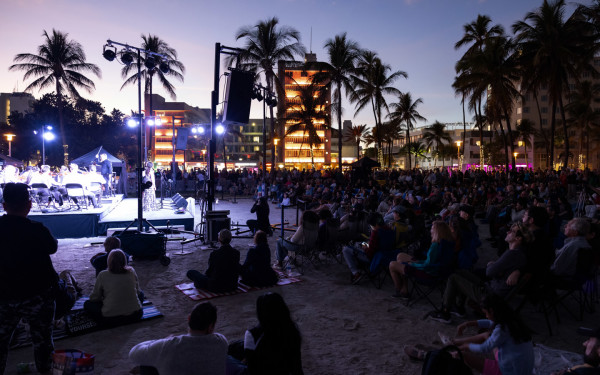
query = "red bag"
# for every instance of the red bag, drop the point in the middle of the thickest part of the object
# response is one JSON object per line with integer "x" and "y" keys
{"x": 71, "y": 362}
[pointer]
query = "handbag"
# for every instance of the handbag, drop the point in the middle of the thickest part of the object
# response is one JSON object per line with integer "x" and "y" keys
{"x": 71, "y": 362}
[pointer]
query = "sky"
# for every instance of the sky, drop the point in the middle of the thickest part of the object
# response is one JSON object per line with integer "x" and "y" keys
{"x": 414, "y": 36}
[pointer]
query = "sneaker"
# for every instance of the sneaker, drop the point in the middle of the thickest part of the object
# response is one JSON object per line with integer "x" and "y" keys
{"x": 459, "y": 312}
{"x": 357, "y": 277}
{"x": 446, "y": 340}
{"x": 441, "y": 316}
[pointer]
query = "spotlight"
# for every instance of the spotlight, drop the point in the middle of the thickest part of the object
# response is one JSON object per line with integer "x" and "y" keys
{"x": 164, "y": 67}
{"x": 48, "y": 136}
{"x": 194, "y": 130}
{"x": 157, "y": 121}
{"x": 200, "y": 130}
{"x": 271, "y": 101}
{"x": 150, "y": 62}
{"x": 220, "y": 129}
{"x": 109, "y": 53}
{"x": 150, "y": 121}
{"x": 131, "y": 122}
{"x": 253, "y": 95}
{"x": 126, "y": 57}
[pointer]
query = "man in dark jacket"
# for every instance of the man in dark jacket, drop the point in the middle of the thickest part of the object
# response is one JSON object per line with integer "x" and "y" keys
{"x": 261, "y": 207}
{"x": 106, "y": 171}
{"x": 27, "y": 277}
{"x": 223, "y": 268}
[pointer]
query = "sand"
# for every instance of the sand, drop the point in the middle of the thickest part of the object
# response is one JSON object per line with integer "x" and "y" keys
{"x": 347, "y": 329}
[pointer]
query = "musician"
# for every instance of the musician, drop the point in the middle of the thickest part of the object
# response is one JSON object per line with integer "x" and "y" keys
{"x": 52, "y": 189}
{"x": 149, "y": 186}
{"x": 10, "y": 174}
{"x": 76, "y": 177}
{"x": 106, "y": 171}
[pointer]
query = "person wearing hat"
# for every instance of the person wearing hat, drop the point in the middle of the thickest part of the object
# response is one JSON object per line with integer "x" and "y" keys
{"x": 27, "y": 277}
{"x": 591, "y": 354}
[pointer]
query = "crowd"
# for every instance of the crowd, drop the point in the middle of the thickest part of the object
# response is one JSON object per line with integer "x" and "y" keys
{"x": 415, "y": 225}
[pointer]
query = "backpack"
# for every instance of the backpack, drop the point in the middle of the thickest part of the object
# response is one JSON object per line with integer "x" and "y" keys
{"x": 441, "y": 362}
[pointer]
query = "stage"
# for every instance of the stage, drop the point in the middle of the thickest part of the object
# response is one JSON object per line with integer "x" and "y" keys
{"x": 115, "y": 212}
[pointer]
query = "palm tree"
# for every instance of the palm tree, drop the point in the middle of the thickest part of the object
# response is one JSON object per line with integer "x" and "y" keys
{"x": 265, "y": 44}
{"x": 373, "y": 80}
{"x": 556, "y": 48}
{"x": 356, "y": 134}
{"x": 176, "y": 70}
{"x": 415, "y": 148}
{"x": 405, "y": 113}
{"x": 525, "y": 129}
{"x": 309, "y": 116}
{"x": 436, "y": 135}
{"x": 60, "y": 62}
{"x": 582, "y": 113}
{"x": 342, "y": 54}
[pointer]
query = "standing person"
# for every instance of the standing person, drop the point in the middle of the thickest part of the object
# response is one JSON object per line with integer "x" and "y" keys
{"x": 201, "y": 350}
{"x": 223, "y": 268}
{"x": 27, "y": 277}
{"x": 149, "y": 186}
{"x": 106, "y": 171}
{"x": 261, "y": 207}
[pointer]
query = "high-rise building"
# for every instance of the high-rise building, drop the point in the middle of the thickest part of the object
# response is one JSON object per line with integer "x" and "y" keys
{"x": 14, "y": 102}
{"x": 296, "y": 150}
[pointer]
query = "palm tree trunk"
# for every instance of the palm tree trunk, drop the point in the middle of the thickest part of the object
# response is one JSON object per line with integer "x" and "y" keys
{"x": 546, "y": 145}
{"x": 507, "y": 159}
{"x": 357, "y": 151}
{"x": 552, "y": 131}
{"x": 339, "y": 118}
{"x": 464, "y": 124}
{"x": 565, "y": 131}
{"x": 510, "y": 139}
{"x": 63, "y": 136}
{"x": 408, "y": 143}
{"x": 587, "y": 149}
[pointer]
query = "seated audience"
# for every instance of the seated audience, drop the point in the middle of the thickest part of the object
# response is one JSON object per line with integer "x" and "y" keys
{"x": 565, "y": 264}
{"x": 439, "y": 256}
{"x": 201, "y": 350}
{"x": 223, "y": 268}
{"x": 307, "y": 232}
{"x": 99, "y": 261}
{"x": 256, "y": 270}
{"x": 116, "y": 296}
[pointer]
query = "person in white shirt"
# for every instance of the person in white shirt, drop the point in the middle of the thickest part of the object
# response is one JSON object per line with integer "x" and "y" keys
{"x": 201, "y": 350}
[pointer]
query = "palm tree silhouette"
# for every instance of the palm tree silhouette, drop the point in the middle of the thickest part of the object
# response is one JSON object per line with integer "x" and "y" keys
{"x": 404, "y": 112}
{"x": 525, "y": 129}
{"x": 582, "y": 113}
{"x": 265, "y": 44}
{"x": 436, "y": 135}
{"x": 356, "y": 134}
{"x": 310, "y": 114}
{"x": 60, "y": 62}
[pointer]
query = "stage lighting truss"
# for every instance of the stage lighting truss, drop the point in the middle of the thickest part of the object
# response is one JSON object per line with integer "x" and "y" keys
{"x": 127, "y": 56}
{"x": 260, "y": 92}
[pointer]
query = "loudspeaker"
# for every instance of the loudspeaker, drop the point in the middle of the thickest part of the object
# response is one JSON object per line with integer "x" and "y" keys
{"x": 143, "y": 245}
{"x": 238, "y": 97}
{"x": 181, "y": 141}
{"x": 180, "y": 203}
{"x": 215, "y": 226}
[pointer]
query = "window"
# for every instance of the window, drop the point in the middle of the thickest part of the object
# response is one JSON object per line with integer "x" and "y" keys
{"x": 256, "y": 148}
{"x": 519, "y": 110}
{"x": 256, "y": 139}
{"x": 544, "y": 121}
{"x": 525, "y": 109}
{"x": 544, "y": 109}
{"x": 544, "y": 98}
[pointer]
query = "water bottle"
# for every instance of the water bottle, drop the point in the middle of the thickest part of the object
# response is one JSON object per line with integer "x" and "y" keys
{"x": 288, "y": 269}
{"x": 26, "y": 367}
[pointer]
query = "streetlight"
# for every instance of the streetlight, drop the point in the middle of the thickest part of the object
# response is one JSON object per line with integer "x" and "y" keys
{"x": 9, "y": 137}
{"x": 47, "y": 135}
{"x": 275, "y": 140}
{"x": 515, "y": 155}
{"x": 458, "y": 143}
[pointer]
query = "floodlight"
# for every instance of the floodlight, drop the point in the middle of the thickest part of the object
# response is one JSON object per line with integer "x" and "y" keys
{"x": 259, "y": 96}
{"x": 157, "y": 121}
{"x": 220, "y": 129}
{"x": 49, "y": 127}
{"x": 150, "y": 62}
{"x": 132, "y": 123}
{"x": 126, "y": 57}
{"x": 109, "y": 52}
{"x": 164, "y": 67}
{"x": 150, "y": 122}
{"x": 49, "y": 136}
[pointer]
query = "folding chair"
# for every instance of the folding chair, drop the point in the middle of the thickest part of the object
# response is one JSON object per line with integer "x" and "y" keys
{"x": 76, "y": 192}
{"x": 306, "y": 252}
{"x": 37, "y": 189}
{"x": 378, "y": 270}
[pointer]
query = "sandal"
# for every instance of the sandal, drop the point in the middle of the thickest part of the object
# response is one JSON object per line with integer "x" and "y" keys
{"x": 413, "y": 353}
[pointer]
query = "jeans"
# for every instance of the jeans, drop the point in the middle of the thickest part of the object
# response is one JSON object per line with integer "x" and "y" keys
{"x": 354, "y": 256}
{"x": 200, "y": 280}
{"x": 283, "y": 247}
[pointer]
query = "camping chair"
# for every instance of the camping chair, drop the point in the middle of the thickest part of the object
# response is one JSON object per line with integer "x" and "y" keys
{"x": 378, "y": 270}
{"x": 305, "y": 253}
{"x": 76, "y": 192}
{"x": 331, "y": 248}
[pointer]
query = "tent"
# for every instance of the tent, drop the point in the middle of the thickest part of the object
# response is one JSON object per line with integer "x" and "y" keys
{"x": 365, "y": 162}
{"x": 7, "y": 160}
{"x": 119, "y": 166}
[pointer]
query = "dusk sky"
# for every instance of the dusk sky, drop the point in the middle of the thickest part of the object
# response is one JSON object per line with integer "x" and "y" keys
{"x": 415, "y": 36}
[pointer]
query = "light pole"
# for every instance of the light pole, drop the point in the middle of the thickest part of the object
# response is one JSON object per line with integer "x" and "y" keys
{"x": 275, "y": 141}
{"x": 458, "y": 161}
{"x": 9, "y": 138}
{"x": 259, "y": 93}
{"x": 515, "y": 155}
{"x": 47, "y": 135}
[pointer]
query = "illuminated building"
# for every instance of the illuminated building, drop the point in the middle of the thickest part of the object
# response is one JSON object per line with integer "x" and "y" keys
{"x": 296, "y": 152}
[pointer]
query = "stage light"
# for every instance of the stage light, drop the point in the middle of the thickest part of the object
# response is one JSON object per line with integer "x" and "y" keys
{"x": 200, "y": 130}
{"x": 132, "y": 123}
{"x": 150, "y": 121}
{"x": 49, "y": 136}
{"x": 126, "y": 57}
{"x": 164, "y": 67}
{"x": 150, "y": 62}
{"x": 109, "y": 52}
{"x": 220, "y": 129}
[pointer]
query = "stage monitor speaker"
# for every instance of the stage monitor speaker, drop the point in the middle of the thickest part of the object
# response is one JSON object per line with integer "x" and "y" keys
{"x": 181, "y": 141}
{"x": 215, "y": 226}
{"x": 142, "y": 245}
{"x": 238, "y": 97}
{"x": 180, "y": 203}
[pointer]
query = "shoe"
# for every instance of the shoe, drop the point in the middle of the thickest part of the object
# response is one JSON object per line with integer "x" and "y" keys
{"x": 441, "y": 316}
{"x": 459, "y": 312}
{"x": 357, "y": 277}
{"x": 401, "y": 295}
{"x": 414, "y": 353}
